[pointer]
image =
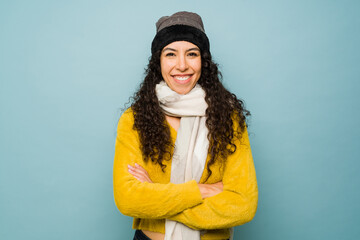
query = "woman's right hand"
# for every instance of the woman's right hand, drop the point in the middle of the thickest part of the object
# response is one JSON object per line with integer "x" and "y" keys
{"x": 139, "y": 173}
{"x": 209, "y": 190}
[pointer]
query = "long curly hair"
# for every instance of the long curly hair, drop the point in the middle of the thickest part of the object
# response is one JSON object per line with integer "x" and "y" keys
{"x": 223, "y": 109}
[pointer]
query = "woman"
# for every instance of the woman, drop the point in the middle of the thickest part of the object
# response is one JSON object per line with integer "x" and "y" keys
{"x": 183, "y": 166}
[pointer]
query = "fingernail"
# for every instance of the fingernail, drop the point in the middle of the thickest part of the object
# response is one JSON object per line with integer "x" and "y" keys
{"x": 136, "y": 164}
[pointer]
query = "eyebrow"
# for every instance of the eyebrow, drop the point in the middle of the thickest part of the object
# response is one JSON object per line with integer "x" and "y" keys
{"x": 188, "y": 50}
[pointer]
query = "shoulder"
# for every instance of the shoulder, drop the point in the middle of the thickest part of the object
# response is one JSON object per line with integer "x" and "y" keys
{"x": 240, "y": 128}
{"x": 238, "y": 125}
{"x": 126, "y": 120}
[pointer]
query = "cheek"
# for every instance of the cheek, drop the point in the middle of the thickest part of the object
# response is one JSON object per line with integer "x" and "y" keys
{"x": 165, "y": 67}
{"x": 163, "y": 70}
{"x": 198, "y": 67}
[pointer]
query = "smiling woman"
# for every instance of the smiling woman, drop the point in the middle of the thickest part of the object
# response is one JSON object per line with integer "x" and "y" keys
{"x": 180, "y": 64}
{"x": 183, "y": 166}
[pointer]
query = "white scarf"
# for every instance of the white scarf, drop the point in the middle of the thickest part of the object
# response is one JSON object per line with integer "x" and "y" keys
{"x": 191, "y": 146}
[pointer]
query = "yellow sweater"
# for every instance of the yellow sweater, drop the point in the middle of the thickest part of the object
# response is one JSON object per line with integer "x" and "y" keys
{"x": 151, "y": 203}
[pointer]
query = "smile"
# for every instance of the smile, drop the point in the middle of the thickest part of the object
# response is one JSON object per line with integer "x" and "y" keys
{"x": 182, "y": 78}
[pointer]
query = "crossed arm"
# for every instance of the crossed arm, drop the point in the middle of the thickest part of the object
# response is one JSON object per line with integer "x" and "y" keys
{"x": 206, "y": 190}
{"x": 200, "y": 206}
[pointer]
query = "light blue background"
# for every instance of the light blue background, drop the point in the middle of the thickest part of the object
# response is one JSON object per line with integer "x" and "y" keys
{"x": 68, "y": 67}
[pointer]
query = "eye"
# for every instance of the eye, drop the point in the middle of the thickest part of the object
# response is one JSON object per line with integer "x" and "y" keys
{"x": 170, "y": 54}
{"x": 193, "y": 54}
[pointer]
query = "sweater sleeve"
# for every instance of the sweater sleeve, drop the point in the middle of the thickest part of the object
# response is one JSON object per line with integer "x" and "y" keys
{"x": 237, "y": 203}
{"x": 142, "y": 199}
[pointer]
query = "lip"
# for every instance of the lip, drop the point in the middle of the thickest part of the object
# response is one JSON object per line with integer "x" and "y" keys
{"x": 174, "y": 77}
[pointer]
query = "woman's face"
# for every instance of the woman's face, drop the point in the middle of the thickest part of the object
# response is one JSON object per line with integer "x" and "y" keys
{"x": 181, "y": 66}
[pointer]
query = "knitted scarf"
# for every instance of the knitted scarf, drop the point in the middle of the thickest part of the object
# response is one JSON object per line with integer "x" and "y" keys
{"x": 191, "y": 145}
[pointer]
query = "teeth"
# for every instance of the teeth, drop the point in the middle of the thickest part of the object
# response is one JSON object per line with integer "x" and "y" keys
{"x": 182, "y": 78}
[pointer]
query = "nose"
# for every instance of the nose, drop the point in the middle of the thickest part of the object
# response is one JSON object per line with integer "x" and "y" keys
{"x": 181, "y": 63}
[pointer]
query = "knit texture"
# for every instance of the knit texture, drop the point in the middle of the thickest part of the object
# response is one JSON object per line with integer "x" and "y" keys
{"x": 180, "y": 33}
{"x": 181, "y": 26}
{"x": 151, "y": 203}
{"x": 180, "y": 18}
{"x": 191, "y": 146}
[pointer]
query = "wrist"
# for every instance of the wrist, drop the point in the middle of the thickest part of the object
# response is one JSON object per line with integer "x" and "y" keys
{"x": 203, "y": 190}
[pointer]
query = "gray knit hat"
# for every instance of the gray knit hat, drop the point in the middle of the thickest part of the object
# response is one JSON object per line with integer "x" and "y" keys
{"x": 181, "y": 26}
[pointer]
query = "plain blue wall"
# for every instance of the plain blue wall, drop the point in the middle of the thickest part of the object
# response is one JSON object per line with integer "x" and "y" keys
{"x": 67, "y": 67}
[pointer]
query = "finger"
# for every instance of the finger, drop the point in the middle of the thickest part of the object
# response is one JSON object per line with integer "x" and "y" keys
{"x": 218, "y": 184}
{"x": 141, "y": 180}
{"x": 131, "y": 167}
{"x": 137, "y": 166}
{"x": 140, "y": 175}
{"x": 142, "y": 170}
{"x": 137, "y": 171}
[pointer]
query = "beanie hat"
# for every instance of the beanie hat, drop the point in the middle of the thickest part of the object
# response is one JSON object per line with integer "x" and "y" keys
{"x": 181, "y": 26}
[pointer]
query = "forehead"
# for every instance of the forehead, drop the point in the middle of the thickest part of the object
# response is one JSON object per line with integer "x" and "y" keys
{"x": 180, "y": 45}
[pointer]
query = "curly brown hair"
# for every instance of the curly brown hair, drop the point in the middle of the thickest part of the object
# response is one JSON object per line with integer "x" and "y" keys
{"x": 223, "y": 108}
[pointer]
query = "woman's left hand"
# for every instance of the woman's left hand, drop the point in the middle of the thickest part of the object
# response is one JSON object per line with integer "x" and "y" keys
{"x": 139, "y": 173}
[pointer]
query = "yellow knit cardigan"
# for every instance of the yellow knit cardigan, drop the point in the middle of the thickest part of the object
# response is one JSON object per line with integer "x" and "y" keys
{"x": 151, "y": 203}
